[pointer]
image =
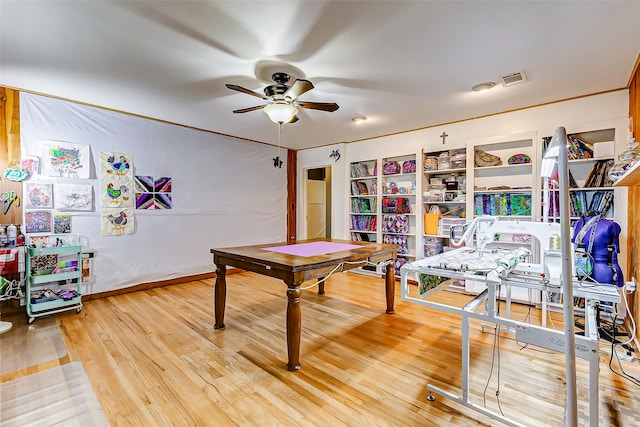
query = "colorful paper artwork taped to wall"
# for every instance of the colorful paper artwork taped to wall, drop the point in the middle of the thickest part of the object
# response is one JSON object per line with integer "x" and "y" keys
{"x": 38, "y": 195}
{"x": 144, "y": 201}
{"x": 116, "y": 193}
{"x": 162, "y": 185}
{"x": 61, "y": 223}
{"x": 37, "y": 221}
{"x": 30, "y": 164}
{"x": 73, "y": 197}
{"x": 116, "y": 166}
{"x": 153, "y": 193}
{"x": 162, "y": 200}
{"x": 116, "y": 222}
{"x": 66, "y": 159}
{"x": 144, "y": 184}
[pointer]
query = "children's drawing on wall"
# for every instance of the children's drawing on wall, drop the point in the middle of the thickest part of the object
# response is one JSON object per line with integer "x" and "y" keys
{"x": 73, "y": 197}
{"x": 116, "y": 166}
{"x": 37, "y": 222}
{"x": 30, "y": 165}
{"x": 65, "y": 159}
{"x": 116, "y": 222}
{"x": 61, "y": 223}
{"x": 116, "y": 193}
{"x": 153, "y": 193}
{"x": 38, "y": 195}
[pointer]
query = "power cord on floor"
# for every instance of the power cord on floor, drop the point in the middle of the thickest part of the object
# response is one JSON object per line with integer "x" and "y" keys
{"x": 495, "y": 355}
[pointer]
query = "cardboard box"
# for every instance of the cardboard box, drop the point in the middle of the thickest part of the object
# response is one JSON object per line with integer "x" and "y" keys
{"x": 431, "y": 223}
{"x": 603, "y": 149}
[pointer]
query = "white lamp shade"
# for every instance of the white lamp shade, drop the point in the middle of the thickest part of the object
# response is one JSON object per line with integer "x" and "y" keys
{"x": 280, "y": 112}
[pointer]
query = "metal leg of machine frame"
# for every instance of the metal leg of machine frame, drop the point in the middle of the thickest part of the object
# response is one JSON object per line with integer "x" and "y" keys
{"x": 591, "y": 332}
{"x": 464, "y": 399}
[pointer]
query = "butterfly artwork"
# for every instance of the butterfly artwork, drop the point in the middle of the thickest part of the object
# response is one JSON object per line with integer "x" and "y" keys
{"x": 277, "y": 162}
{"x": 335, "y": 154}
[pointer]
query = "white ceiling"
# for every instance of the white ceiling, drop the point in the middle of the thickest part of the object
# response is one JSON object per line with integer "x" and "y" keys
{"x": 403, "y": 64}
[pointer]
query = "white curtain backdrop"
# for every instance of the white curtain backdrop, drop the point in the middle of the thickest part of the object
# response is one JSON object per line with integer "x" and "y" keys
{"x": 225, "y": 192}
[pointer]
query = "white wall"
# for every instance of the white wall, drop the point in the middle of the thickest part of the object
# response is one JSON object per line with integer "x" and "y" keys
{"x": 589, "y": 113}
{"x": 226, "y": 192}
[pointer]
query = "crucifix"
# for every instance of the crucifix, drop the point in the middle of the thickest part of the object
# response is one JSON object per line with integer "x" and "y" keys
{"x": 443, "y": 136}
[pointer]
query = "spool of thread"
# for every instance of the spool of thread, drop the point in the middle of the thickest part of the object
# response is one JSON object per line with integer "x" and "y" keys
{"x": 12, "y": 234}
{"x": 554, "y": 242}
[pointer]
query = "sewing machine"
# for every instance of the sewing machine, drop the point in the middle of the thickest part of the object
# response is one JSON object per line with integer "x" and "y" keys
{"x": 497, "y": 268}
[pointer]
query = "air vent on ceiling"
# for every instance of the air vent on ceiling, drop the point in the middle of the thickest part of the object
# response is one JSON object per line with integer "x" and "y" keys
{"x": 513, "y": 78}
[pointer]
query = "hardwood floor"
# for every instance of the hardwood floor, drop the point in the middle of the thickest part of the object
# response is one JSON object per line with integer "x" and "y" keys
{"x": 154, "y": 358}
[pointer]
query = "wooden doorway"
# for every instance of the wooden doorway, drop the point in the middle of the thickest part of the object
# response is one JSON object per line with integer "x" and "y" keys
{"x": 318, "y": 202}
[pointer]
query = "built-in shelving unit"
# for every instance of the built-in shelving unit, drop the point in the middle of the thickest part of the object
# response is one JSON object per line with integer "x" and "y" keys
{"x": 590, "y": 157}
{"x": 591, "y": 154}
{"x": 414, "y": 200}
{"x": 444, "y": 198}
{"x": 503, "y": 176}
{"x": 398, "y": 206}
{"x": 506, "y": 189}
{"x": 363, "y": 214}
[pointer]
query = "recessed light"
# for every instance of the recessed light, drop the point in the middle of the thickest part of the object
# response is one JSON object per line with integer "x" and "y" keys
{"x": 359, "y": 120}
{"x": 483, "y": 87}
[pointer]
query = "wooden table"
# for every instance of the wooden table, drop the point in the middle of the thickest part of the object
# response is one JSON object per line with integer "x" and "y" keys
{"x": 294, "y": 269}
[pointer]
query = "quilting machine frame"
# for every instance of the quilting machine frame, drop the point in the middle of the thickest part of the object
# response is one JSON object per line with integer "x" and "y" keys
{"x": 510, "y": 270}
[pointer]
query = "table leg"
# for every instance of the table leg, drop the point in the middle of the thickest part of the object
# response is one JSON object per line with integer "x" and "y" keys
{"x": 390, "y": 287}
{"x": 294, "y": 328}
{"x": 321, "y": 285}
{"x": 220, "y": 295}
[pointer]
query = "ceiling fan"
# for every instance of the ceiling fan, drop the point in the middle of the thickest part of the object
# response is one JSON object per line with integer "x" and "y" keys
{"x": 282, "y": 99}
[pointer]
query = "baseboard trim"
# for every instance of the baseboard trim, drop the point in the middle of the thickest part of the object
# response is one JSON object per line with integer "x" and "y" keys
{"x": 157, "y": 284}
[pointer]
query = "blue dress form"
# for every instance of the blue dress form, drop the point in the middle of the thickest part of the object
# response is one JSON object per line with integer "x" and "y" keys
{"x": 604, "y": 249}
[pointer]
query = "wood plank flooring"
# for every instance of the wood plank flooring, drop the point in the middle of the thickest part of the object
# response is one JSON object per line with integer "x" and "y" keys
{"x": 154, "y": 358}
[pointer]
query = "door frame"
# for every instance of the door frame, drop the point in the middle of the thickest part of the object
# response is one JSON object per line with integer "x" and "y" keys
{"x": 302, "y": 229}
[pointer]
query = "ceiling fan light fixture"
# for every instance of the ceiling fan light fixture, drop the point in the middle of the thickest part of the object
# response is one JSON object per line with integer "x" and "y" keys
{"x": 359, "y": 120}
{"x": 280, "y": 112}
{"x": 483, "y": 87}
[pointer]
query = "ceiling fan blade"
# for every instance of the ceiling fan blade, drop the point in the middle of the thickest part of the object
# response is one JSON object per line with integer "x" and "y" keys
{"x": 324, "y": 106}
{"x": 246, "y": 110}
{"x": 245, "y": 90}
{"x": 299, "y": 87}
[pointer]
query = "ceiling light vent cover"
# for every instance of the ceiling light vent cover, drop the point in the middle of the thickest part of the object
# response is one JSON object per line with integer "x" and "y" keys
{"x": 513, "y": 78}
